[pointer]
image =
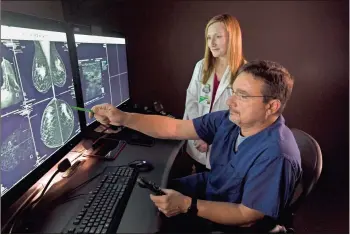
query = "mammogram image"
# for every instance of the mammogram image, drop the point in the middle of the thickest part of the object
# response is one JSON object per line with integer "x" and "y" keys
{"x": 58, "y": 70}
{"x": 17, "y": 147}
{"x": 57, "y": 123}
{"x": 93, "y": 79}
{"x": 48, "y": 68}
{"x": 10, "y": 86}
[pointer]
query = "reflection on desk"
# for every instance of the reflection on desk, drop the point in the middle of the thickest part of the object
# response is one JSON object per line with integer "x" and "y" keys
{"x": 139, "y": 207}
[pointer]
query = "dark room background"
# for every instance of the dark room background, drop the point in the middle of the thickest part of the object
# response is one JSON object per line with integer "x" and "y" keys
{"x": 310, "y": 38}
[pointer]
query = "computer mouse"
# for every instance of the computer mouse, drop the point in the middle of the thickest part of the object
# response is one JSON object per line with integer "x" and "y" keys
{"x": 141, "y": 165}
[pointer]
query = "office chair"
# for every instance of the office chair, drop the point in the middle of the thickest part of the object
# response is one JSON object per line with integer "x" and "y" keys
{"x": 311, "y": 163}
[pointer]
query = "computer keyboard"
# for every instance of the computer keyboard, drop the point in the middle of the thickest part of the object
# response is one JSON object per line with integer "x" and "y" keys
{"x": 104, "y": 207}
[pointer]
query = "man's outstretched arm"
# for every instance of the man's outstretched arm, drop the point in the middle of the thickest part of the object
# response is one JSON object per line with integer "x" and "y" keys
{"x": 153, "y": 125}
{"x": 161, "y": 127}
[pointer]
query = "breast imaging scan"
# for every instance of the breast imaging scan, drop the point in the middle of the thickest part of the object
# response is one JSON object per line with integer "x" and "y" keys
{"x": 36, "y": 94}
{"x": 103, "y": 70}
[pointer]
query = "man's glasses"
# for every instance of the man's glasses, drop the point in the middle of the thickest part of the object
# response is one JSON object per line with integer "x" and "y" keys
{"x": 242, "y": 97}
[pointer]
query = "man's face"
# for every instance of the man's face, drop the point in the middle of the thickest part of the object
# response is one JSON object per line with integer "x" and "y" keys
{"x": 246, "y": 111}
{"x": 217, "y": 39}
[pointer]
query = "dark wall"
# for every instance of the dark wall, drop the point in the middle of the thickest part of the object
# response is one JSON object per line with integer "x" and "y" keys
{"x": 43, "y": 9}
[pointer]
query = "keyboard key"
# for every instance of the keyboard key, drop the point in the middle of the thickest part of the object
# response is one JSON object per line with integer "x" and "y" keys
{"x": 76, "y": 222}
{"x": 99, "y": 229}
{"x": 92, "y": 230}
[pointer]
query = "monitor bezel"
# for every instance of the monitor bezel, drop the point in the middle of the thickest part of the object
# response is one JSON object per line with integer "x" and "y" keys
{"x": 21, "y": 187}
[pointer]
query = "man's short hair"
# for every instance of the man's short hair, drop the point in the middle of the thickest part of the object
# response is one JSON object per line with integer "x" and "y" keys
{"x": 278, "y": 82}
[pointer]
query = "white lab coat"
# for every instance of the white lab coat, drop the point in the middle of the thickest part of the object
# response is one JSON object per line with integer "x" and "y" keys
{"x": 198, "y": 100}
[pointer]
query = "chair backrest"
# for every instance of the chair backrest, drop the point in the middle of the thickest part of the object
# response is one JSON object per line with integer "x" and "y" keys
{"x": 311, "y": 163}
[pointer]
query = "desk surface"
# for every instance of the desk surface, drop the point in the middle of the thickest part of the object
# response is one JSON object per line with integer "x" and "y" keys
{"x": 140, "y": 215}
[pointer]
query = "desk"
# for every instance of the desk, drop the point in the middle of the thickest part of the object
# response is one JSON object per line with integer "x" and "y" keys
{"x": 140, "y": 215}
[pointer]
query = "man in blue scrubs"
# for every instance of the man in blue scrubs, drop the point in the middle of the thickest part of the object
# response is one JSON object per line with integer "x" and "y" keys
{"x": 255, "y": 159}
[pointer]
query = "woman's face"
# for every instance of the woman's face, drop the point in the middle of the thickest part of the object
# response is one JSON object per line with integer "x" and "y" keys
{"x": 217, "y": 39}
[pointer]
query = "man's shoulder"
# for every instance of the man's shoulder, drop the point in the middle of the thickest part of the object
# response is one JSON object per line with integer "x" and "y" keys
{"x": 282, "y": 144}
{"x": 222, "y": 115}
{"x": 216, "y": 119}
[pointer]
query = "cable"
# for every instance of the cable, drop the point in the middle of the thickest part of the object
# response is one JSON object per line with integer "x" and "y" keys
{"x": 44, "y": 190}
{"x": 81, "y": 153}
{"x": 106, "y": 128}
{"x": 89, "y": 180}
{"x": 84, "y": 183}
{"x": 78, "y": 195}
{"x": 62, "y": 167}
{"x": 73, "y": 198}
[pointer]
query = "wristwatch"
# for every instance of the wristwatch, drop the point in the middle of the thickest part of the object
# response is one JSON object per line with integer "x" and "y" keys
{"x": 193, "y": 210}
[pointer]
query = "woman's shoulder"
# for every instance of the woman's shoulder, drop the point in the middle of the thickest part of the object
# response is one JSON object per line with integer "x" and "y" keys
{"x": 197, "y": 73}
{"x": 200, "y": 63}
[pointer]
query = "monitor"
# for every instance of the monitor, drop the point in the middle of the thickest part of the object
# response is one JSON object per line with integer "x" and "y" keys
{"x": 37, "y": 91}
{"x": 103, "y": 70}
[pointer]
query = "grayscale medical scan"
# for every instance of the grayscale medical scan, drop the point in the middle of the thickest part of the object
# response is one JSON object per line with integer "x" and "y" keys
{"x": 36, "y": 94}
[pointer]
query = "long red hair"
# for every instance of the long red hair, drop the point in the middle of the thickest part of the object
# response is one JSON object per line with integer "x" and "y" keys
{"x": 234, "y": 50}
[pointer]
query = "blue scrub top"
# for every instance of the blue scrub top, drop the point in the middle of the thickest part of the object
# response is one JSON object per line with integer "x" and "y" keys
{"x": 262, "y": 174}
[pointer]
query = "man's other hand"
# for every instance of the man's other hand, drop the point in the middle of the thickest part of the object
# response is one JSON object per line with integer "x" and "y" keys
{"x": 201, "y": 146}
{"x": 173, "y": 203}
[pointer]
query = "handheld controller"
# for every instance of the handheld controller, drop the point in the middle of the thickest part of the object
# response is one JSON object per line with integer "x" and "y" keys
{"x": 143, "y": 183}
